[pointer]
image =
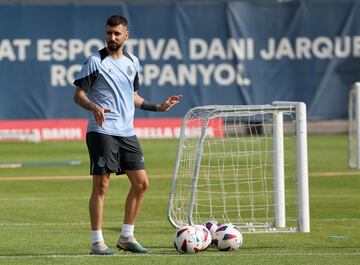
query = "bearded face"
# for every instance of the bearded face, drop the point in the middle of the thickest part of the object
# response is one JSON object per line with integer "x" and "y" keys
{"x": 114, "y": 45}
{"x": 116, "y": 36}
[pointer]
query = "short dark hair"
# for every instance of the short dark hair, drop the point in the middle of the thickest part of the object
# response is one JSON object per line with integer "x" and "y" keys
{"x": 116, "y": 20}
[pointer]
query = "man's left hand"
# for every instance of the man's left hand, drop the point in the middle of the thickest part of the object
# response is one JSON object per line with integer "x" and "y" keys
{"x": 170, "y": 102}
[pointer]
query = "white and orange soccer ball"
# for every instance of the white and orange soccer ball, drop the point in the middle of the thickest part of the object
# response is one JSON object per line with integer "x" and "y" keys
{"x": 204, "y": 235}
{"x": 228, "y": 237}
{"x": 187, "y": 240}
{"x": 212, "y": 226}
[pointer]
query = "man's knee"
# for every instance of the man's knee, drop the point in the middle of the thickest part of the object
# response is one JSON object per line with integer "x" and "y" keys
{"x": 101, "y": 186}
{"x": 142, "y": 185}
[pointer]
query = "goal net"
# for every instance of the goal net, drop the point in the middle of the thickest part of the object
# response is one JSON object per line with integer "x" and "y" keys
{"x": 245, "y": 165}
{"x": 354, "y": 121}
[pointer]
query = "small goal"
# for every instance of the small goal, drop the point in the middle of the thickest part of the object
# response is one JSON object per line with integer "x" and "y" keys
{"x": 354, "y": 122}
{"x": 245, "y": 165}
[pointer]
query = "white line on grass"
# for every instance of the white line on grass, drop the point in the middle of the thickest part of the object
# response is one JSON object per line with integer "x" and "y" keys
{"x": 341, "y": 219}
{"x": 334, "y": 195}
{"x": 44, "y": 198}
{"x": 333, "y": 174}
{"x": 49, "y": 178}
{"x": 148, "y": 197}
{"x": 73, "y": 198}
{"x": 203, "y": 254}
{"x": 80, "y": 223}
{"x": 151, "y": 222}
{"x": 155, "y": 176}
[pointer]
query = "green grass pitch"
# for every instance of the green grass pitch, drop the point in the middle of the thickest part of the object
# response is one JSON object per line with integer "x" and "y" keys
{"x": 45, "y": 221}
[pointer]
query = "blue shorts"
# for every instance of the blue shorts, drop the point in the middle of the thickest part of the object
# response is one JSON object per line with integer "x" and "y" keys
{"x": 113, "y": 154}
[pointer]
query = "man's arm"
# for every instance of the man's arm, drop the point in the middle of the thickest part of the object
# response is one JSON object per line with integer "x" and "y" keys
{"x": 165, "y": 106}
{"x": 82, "y": 99}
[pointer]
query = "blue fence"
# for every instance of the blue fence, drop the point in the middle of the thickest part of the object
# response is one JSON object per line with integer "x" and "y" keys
{"x": 211, "y": 53}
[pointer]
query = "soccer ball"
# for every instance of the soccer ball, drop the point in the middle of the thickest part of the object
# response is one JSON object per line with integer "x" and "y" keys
{"x": 204, "y": 235}
{"x": 212, "y": 226}
{"x": 228, "y": 237}
{"x": 187, "y": 240}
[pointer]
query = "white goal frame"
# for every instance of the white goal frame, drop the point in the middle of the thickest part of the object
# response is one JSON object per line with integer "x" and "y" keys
{"x": 354, "y": 123}
{"x": 298, "y": 109}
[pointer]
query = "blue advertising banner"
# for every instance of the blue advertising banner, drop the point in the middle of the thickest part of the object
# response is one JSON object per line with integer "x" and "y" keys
{"x": 234, "y": 52}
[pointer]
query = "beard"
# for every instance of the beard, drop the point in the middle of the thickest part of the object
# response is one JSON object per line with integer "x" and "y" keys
{"x": 113, "y": 46}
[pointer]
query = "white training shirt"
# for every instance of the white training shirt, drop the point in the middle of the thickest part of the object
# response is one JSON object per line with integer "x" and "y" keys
{"x": 110, "y": 83}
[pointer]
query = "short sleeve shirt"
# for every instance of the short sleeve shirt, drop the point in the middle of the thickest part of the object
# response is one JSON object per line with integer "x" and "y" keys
{"x": 110, "y": 83}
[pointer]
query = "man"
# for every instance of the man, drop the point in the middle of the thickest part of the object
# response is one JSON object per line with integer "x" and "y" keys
{"x": 107, "y": 86}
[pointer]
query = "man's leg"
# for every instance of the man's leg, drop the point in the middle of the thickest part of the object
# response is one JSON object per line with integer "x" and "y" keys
{"x": 139, "y": 183}
{"x": 96, "y": 205}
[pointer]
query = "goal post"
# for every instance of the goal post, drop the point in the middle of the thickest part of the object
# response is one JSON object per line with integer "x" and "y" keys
{"x": 278, "y": 162}
{"x": 354, "y": 122}
{"x": 245, "y": 165}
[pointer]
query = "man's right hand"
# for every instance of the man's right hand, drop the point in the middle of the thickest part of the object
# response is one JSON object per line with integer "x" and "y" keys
{"x": 99, "y": 114}
{"x": 82, "y": 99}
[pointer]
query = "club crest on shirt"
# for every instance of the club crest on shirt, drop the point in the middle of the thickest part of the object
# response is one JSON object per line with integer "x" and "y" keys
{"x": 129, "y": 71}
{"x": 101, "y": 162}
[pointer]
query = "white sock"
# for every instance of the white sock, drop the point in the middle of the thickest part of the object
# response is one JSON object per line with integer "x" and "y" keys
{"x": 127, "y": 230}
{"x": 97, "y": 236}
